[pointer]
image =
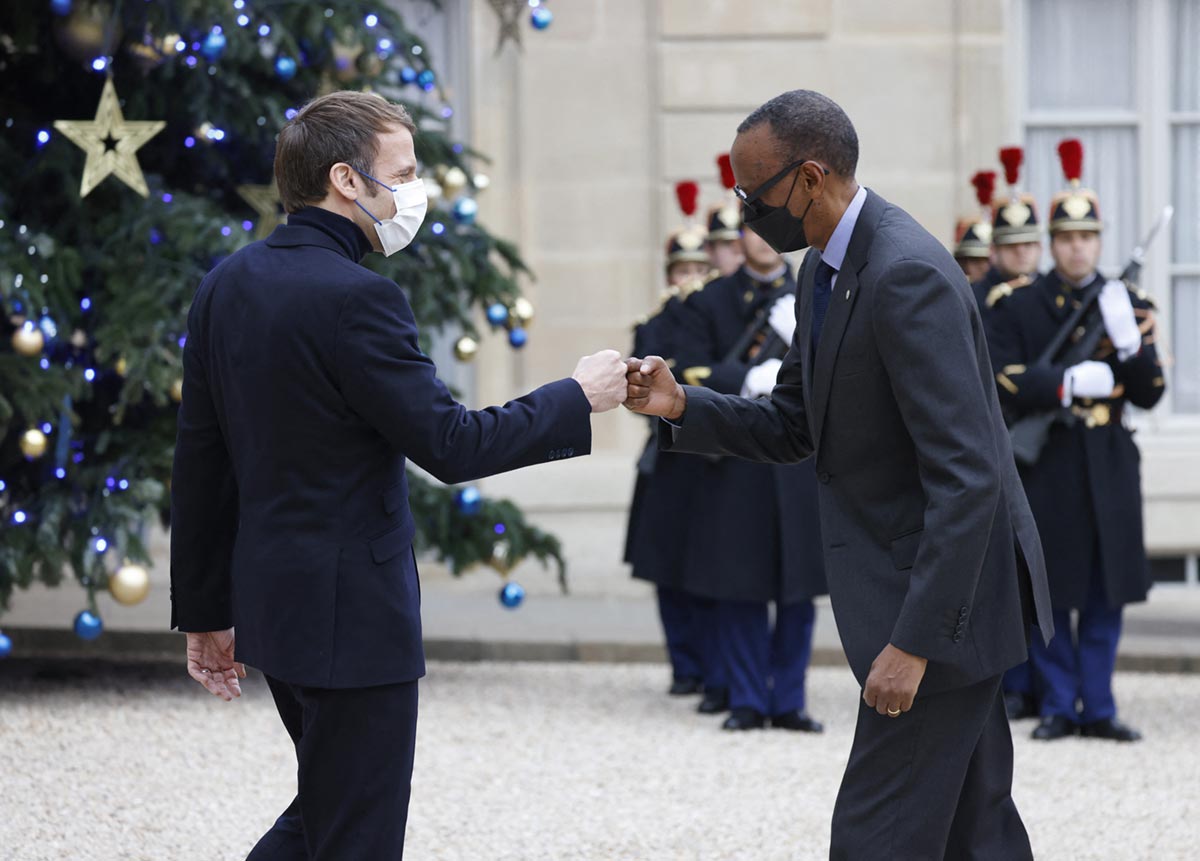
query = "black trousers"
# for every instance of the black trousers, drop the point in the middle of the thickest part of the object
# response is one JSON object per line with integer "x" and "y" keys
{"x": 354, "y": 749}
{"x": 932, "y": 784}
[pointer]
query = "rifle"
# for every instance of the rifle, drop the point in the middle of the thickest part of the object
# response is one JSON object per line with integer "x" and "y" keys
{"x": 1029, "y": 433}
{"x": 772, "y": 346}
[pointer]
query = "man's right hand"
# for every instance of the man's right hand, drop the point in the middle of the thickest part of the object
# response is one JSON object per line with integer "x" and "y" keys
{"x": 653, "y": 390}
{"x": 602, "y": 378}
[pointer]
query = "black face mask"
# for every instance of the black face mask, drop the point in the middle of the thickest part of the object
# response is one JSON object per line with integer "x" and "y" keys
{"x": 775, "y": 224}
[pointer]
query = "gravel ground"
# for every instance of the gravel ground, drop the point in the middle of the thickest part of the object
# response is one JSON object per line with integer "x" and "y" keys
{"x": 539, "y": 761}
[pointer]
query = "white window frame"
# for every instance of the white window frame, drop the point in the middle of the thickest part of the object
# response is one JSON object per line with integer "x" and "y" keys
{"x": 1154, "y": 121}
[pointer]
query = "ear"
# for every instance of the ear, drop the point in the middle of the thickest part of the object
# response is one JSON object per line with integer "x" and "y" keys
{"x": 345, "y": 180}
{"x": 813, "y": 177}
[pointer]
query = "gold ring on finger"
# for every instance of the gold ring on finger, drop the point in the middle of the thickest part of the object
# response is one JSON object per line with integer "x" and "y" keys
{"x": 893, "y": 712}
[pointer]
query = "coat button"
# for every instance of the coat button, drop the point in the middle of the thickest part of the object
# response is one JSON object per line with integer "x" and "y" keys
{"x": 958, "y": 638}
{"x": 823, "y": 477}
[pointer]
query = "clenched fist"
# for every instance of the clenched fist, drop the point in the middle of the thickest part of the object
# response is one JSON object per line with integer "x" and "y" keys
{"x": 653, "y": 390}
{"x": 602, "y": 378}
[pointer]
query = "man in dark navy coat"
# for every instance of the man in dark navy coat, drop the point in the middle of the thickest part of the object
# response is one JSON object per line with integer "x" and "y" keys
{"x": 1085, "y": 488}
{"x": 755, "y": 537}
{"x": 304, "y": 393}
{"x": 933, "y": 561}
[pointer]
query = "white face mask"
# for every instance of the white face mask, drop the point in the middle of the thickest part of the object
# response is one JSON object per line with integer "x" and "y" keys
{"x": 398, "y": 231}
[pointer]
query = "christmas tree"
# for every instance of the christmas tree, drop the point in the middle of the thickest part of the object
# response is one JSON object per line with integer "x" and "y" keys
{"x": 137, "y": 152}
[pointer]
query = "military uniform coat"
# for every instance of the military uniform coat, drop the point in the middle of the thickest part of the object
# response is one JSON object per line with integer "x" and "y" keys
{"x": 754, "y": 528}
{"x": 1085, "y": 489}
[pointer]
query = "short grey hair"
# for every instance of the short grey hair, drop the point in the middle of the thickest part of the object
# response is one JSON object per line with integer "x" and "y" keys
{"x": 809, "y": 125}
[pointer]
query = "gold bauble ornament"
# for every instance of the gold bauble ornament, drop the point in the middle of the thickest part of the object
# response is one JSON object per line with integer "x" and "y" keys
{"x": 147, "y": 57}
{"x": 177, "y": 391}
{"x": 122, "y": 366}
{"x": 481, "y": 181}
{"x": 522, "y": 310}
{"x": 465, "y": 348}
{"x": 92, "y": 137}
{"x": 499, "y": 559}
{"x": 88, "y": 31}
{"x": 169, "y": 42}
{"x": 33, "y": 443}
{"x": 79, "y": 339}
{"x": 433, "y": 189}
{"x": 130, "y": 584}
{"x": 454, "y": 181}
{"x": 28, "y": 340}
{"x": 345, "y": 61}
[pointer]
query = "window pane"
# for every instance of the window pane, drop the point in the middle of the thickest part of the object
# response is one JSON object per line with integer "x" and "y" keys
{"x": 1185, "y": 54}
{"x": 1110, "y": 168}
{"x": 1186, "y": 346}
{"x": 1081, "y": 54}
{"x": 1185, "y": 185}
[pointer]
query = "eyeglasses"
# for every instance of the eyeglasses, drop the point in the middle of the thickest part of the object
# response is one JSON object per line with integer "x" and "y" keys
{"x": 752, "y": 204}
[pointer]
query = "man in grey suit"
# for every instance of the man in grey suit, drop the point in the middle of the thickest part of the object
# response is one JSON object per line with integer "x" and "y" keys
{"x": 934, "y": 563}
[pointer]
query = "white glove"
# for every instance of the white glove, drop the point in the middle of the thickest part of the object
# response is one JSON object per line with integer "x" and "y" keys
{"x": 760, "y": 380}
{"x": 783, "y": 317}
{"x": 1087, "y": 380}
{"x": 1119, "y": 319}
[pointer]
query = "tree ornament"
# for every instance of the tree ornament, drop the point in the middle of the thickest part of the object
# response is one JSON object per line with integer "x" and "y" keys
{"x": 121, "y": 367}
{"x": 88, "y": 625}
{"x": 511, "y": 595}
{"x": 33, "y": 443}
{"x": 454, "y": 181}
{"x": 497, "y": 314}
{"x": 469, "y": 500}
{"x": 508, "y": 12}
{"x": 130, "y": 584}
{"x": 213, "y": 46}
{"x": 433, "y": 189}
{"x": 426, "y": 80}
{"x": 522, "y": 311}
{"x": 28, "y": 340}
{"x": 177, "y": 391}
{"x": 145, "y": 55}
{"x": 285, "y": 68}
{"x": 465, "y": 209}
{"x": 481, "y": 181}
{"x": 5, "y": 645}
{"x": 264, "y": 200}
{"x": 345, "y": 59}
{"x": 121, "y": 160}
{"x": 541, "y": 18}
{"x": 465, "y": 348}
{"x": 87, "y": 31}
{"x": 518, "y": 338}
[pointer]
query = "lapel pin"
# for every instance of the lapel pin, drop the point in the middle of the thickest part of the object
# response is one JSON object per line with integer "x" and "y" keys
{"x": 847, "y": 294}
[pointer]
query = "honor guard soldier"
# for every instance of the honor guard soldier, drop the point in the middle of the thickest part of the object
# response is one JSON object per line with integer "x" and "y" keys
{"x": 754, "y": 536}
{"x": 973, "y": 235}
{"x": 725, "y": 226}
{"x": 1016, "y": 238}
{"x": 664, "y": 486}
{"x": 1085, "y": 486}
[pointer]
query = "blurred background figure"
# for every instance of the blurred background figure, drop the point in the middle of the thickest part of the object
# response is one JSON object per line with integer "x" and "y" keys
{"x": 1016, "y": 237}
{"x": 725, "y": 250}
{"x": 973, "y": 234}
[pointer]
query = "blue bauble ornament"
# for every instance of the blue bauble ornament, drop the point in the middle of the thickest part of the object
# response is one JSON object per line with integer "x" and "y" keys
{"x": 518, "y": 338}
{"x": 5, "y": 645}
{"x": 465, "y": 209}
{"x": 285, "y": 68}
{"x": 408, "y": 75}
{"x": 497, "y": 314}
{"x": 60, "y": 7}
{"x": 541, "y": 17}
{"x": 469, "y": 500}
{"x": 213, "y": 47}
{"x": 511, "y": 595}
{"x": 88, "y": 625}
{"x": 426, "y": 80}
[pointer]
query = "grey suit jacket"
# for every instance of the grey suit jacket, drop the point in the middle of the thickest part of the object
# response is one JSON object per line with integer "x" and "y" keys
{"x": 929, "y": 540}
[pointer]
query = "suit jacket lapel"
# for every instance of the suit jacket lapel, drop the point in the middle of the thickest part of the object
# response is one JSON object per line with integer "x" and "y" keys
{"x": 804, "y": 321}
{"x": 841, "y": 303}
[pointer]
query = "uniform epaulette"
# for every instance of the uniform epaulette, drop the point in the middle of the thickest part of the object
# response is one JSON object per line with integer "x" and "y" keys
{"x": 1001, "y": 291}
{"x": 1140, "y": 294}
{"x": 696, "y": 285}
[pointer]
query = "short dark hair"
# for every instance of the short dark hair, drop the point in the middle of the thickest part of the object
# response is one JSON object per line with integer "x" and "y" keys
{"x": 809, "y": 125}
{"x": 341, "y": 126}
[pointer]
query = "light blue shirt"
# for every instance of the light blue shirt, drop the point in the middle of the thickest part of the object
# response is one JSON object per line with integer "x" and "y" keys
{"x": 835, "y": 251}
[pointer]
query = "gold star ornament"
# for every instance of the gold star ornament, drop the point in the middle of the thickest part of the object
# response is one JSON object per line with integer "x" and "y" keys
{"x": 111, "y": 143}
{"x": 264, "y": 200}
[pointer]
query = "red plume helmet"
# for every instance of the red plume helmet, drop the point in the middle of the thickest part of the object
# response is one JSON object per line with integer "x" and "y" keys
{"x": 985, "y": 186}
{"x": 726, "y": 167}
{"x": 1070, "y": 153}
{"x": 687, "y": 193}
{"x": 1011, "y": 157}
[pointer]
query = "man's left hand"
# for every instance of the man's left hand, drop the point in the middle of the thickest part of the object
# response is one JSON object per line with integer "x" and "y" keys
{"x": 210, "y": 662}
{"x": 893, "y": 681}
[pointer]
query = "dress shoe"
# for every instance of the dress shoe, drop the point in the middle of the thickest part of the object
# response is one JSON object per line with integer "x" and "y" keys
{"x": 1111, "y": 729}
{"x": 685, "y": 687}
{"x": 744, "y": 719}
{"x": 1055, "y": 727}
{"x": 1019, "y": 706}
{"x": 796, "y": 720}
{"x": 715, "y": 701}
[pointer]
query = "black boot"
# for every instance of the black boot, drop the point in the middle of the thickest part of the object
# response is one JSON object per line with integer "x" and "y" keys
{"x": 796, "y": 720}
{"x": 1055, "y": 727}
{"x": 685, "y": 686}
{"x": 744, "y": 719}
{"x": 716, "y": 700}
{"x": 1111, "y": 729}
{"x": 1019, "y": 706}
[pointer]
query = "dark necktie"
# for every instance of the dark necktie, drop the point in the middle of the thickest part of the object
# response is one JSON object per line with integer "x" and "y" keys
{"x": 822, "y": 288}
